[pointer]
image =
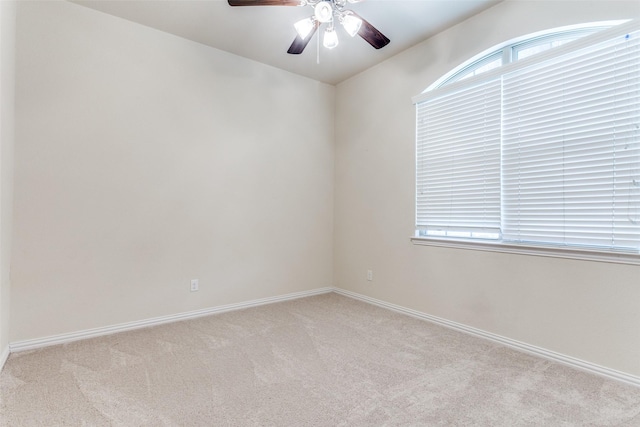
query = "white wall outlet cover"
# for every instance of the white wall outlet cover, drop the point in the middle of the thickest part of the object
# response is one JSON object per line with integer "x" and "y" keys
{"x": 194, "y": 285}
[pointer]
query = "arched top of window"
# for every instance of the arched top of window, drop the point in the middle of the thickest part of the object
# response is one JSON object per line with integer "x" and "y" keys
{"x": 520, "y": 48}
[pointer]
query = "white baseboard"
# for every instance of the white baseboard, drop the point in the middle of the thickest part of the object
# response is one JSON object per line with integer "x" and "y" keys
{"x": 122, "y": 327}
{"x": 3, "y": 357}
{"x": 527, "y": 348}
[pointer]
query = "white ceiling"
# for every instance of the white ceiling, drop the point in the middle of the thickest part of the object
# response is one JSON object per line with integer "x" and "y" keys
{"x": 264, "y": 33}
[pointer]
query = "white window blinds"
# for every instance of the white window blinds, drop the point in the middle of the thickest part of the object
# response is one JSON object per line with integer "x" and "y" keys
{"x": 458, "y": 163}
{"x": 571, "y": 149}
{"x": 543, "y": 153}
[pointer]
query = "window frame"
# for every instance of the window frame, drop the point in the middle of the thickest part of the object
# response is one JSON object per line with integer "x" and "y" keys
{"x": 453, "y": 81}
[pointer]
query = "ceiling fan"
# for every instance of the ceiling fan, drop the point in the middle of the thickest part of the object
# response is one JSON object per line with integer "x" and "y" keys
{"x": 324, "y": 12}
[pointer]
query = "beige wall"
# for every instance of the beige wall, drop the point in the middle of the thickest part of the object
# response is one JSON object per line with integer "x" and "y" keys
{"x": 7, "y": 80}
{"x": 588, "y": 310}
{"x": 144, "y": 160}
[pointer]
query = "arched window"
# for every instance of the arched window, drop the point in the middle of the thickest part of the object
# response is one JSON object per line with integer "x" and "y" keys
{"x": 520, "y": 48}
{"x": 536, "y": 144}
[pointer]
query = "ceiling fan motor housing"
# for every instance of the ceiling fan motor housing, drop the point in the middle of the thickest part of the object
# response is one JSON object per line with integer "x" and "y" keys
{"x": 324, "y": 11}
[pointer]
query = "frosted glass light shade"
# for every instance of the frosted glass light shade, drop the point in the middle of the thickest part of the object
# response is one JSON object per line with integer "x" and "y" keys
{"x": 330, "y": 39}
{"x": 324, "y": 11}
{"x": 304, "y": 27}
{"x": 351, "y": 24}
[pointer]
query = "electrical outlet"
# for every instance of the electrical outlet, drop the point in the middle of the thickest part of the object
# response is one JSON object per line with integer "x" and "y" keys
{"x": 194, "y": 285}
{"x": 370, "y": 275}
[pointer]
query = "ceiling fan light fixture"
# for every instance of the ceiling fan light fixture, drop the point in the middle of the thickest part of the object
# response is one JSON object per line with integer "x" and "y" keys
{"x": 351, "y": 24}
{"x": 324, "y": 11}
{"x": 304, "y": 27}
{"x": 330, "y": 39}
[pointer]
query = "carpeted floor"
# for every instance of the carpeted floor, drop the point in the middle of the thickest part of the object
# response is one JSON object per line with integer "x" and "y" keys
{"x": 326, "y": 360}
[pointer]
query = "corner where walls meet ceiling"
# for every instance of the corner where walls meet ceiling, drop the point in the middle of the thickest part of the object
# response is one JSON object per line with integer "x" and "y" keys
{"x": 264, "y": 33}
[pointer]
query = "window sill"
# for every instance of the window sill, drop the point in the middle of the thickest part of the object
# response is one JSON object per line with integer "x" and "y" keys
{"x": 584, "y": 255}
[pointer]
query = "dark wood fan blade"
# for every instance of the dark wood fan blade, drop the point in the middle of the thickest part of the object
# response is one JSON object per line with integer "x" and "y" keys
{"x": 299, "y": 43}
{"x": 264, "y": 2}
{"x": 371, "y": 34}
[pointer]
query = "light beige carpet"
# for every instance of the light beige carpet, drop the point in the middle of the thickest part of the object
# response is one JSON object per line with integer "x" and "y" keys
{"x": 326, "y": 360}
